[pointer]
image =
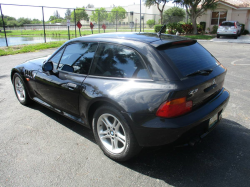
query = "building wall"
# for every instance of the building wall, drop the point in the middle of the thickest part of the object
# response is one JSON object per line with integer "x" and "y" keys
{"x": 240, "y": 16}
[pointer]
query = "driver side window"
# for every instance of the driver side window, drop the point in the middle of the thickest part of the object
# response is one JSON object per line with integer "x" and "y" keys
{"x": 77, "y": 57}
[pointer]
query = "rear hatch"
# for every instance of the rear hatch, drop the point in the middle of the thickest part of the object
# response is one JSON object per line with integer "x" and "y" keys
{"x": 201, "y": 75}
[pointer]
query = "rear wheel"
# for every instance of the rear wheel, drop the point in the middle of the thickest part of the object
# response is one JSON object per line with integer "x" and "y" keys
{"x": 20, "y": 90}
{"x": 218, "y": 36}
{"x": 235, "y": 37}
{"x": 113, "y": 134}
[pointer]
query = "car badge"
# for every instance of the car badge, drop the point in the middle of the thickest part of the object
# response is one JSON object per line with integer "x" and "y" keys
{"x": 192, "y": 92}
{"x": 214, "y": 82}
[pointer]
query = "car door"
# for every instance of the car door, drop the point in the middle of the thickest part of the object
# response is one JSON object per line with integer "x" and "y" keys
{"x": 61, "y": 87}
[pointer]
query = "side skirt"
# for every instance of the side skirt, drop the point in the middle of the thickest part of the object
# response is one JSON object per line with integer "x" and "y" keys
{"x": 74, "y": 118}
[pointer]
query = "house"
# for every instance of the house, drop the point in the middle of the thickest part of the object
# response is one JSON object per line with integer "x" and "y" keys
{"x": 227, "y": 10}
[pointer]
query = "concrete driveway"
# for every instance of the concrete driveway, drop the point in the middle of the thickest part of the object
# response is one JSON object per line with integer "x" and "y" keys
{"x": 41, "y": 148}
{"x": 240, "y": 39}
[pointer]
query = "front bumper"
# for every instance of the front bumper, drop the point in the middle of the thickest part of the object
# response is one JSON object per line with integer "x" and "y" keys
{"x": 154, "y": 131}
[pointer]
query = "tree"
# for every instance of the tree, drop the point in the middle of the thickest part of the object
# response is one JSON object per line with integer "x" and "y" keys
{"x": 68, "y": 14}
{"x": 99, "y": 15}
{"x": 118, "y": 13}
{"x": 195, "y": 8}
{"x": 150, "y": 3}
{"x": 51, "y": 18}
{"x": 36, "y": 21}
{"x": 80, "y": 14}
{"x": 57, "y": 15}
{"x": 21, "y": 21}
{"x": 150, "y": 23}
{"x": 90, "y": 6}
{"x": 173, "y": 15}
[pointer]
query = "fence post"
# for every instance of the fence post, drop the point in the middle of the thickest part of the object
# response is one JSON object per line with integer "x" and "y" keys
{"x": 99, "y": 20}
{"x": 75, "y": 20}
{"x": 44, "y": 27}
{"x": 143, "y": 21}
{"x": 116, "y": 21}
{"x": 140, "y": 15}
{"x": 4, "y": 27}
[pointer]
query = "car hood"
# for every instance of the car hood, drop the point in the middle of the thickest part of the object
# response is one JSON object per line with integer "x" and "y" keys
{"x": 33, "y": 65}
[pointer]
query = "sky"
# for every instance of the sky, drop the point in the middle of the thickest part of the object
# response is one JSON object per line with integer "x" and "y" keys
{"x": 36, "y": 12}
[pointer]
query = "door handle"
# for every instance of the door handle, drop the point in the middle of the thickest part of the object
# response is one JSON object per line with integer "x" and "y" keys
{"x": 71, "y": 86}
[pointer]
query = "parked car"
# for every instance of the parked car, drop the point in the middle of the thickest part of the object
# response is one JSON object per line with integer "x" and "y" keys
{"x": 229, "y": 28}
{"x": 132, "y": 89}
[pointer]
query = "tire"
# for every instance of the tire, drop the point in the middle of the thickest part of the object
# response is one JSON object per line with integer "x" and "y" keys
{"x": 235, "y": 37}
{"x": 113, "y": 134}
{"x": 218, "y": 36}
{"x": 20, "y": 90}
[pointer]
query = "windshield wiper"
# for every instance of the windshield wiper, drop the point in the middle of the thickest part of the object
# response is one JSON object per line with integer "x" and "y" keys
{"x": 200, "y": 72}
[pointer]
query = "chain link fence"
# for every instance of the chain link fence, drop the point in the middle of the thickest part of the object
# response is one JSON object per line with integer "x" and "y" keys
{"x": 57, "y": 29}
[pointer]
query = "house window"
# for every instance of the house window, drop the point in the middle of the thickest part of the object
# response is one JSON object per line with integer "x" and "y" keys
{"x": 218, "y": 18}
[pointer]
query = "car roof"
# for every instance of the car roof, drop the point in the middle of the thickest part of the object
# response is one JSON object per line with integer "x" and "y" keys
{"x": 149, "y": 38}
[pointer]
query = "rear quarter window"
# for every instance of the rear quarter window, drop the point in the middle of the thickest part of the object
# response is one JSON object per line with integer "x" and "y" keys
{"x": 188, "y": 59}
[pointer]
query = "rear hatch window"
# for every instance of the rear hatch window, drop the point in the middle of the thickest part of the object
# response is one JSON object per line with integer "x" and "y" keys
{"x": 189, "y": 58}
{"x": 227, "y": 24}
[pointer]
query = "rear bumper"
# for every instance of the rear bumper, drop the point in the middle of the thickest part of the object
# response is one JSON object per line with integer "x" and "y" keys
{"x": 154, "y": 131}
{"x": 227, "y": 33}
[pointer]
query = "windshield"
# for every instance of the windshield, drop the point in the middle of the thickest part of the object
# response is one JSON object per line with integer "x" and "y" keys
{"x": 189, "y": 58}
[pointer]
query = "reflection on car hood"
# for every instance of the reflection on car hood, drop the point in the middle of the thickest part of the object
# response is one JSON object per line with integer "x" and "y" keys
{"x": 35, "y": 64}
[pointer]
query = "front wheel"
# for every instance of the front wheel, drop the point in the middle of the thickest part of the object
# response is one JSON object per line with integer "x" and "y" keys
{"x": 113, "y": 134}
{"x": 20, "y": 90}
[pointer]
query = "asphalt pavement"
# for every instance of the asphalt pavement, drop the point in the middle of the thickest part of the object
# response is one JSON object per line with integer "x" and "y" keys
{"x": 41, "y": 148}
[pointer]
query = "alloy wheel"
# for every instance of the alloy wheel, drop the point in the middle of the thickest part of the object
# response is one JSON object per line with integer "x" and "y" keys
{"x": 111, "y": 133}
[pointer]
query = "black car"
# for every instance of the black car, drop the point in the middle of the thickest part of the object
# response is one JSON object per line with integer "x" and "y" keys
{"x": 133, "y": 89}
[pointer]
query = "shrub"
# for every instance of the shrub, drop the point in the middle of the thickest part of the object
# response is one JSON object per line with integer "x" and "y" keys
{"x": 187, "y": 28}
{"x": 174, "y": 27}
{"x": 158, "y": 28}
{"x": 242, "y": 27}
{"x": 214, "y": 29}
{"x": 150, "y": 23}
{"x": 245, "y": 32}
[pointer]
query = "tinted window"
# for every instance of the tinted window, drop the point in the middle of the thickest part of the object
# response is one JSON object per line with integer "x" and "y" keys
{"x": 190, "y": 58}
{"x": 227, "y": 24}
{"x": 119, "y": 61}
{"x": 77, "y": 57}
{"x": 56, "y": 58}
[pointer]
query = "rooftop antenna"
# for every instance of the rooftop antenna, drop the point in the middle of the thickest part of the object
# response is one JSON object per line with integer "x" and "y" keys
{"x": 159, "y": 33}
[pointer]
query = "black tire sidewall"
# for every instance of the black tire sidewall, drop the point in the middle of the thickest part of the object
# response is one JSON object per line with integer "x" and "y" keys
{"x": 129, "y": 151}
{"x": 26, "y": 99}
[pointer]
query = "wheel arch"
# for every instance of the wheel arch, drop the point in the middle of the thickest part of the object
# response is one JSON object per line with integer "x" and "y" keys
{"x": 94, "y": 105}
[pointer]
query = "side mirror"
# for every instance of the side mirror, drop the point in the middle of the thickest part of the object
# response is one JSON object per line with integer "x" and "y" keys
{"x": 48, "y": 66}
{"x": 68, "y": 68}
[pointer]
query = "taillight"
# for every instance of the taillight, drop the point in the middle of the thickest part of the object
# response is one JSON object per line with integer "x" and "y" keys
{"x": 174, "y": 108}
{"x": 235, "y": 26}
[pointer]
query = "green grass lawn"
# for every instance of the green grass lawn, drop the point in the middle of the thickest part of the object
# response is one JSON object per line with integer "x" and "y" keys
{"x": 62, "y": 34}
{"x": 58, "y": 33}
{"x": 28, "y": 48}
{"x": 200, "y": 37}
